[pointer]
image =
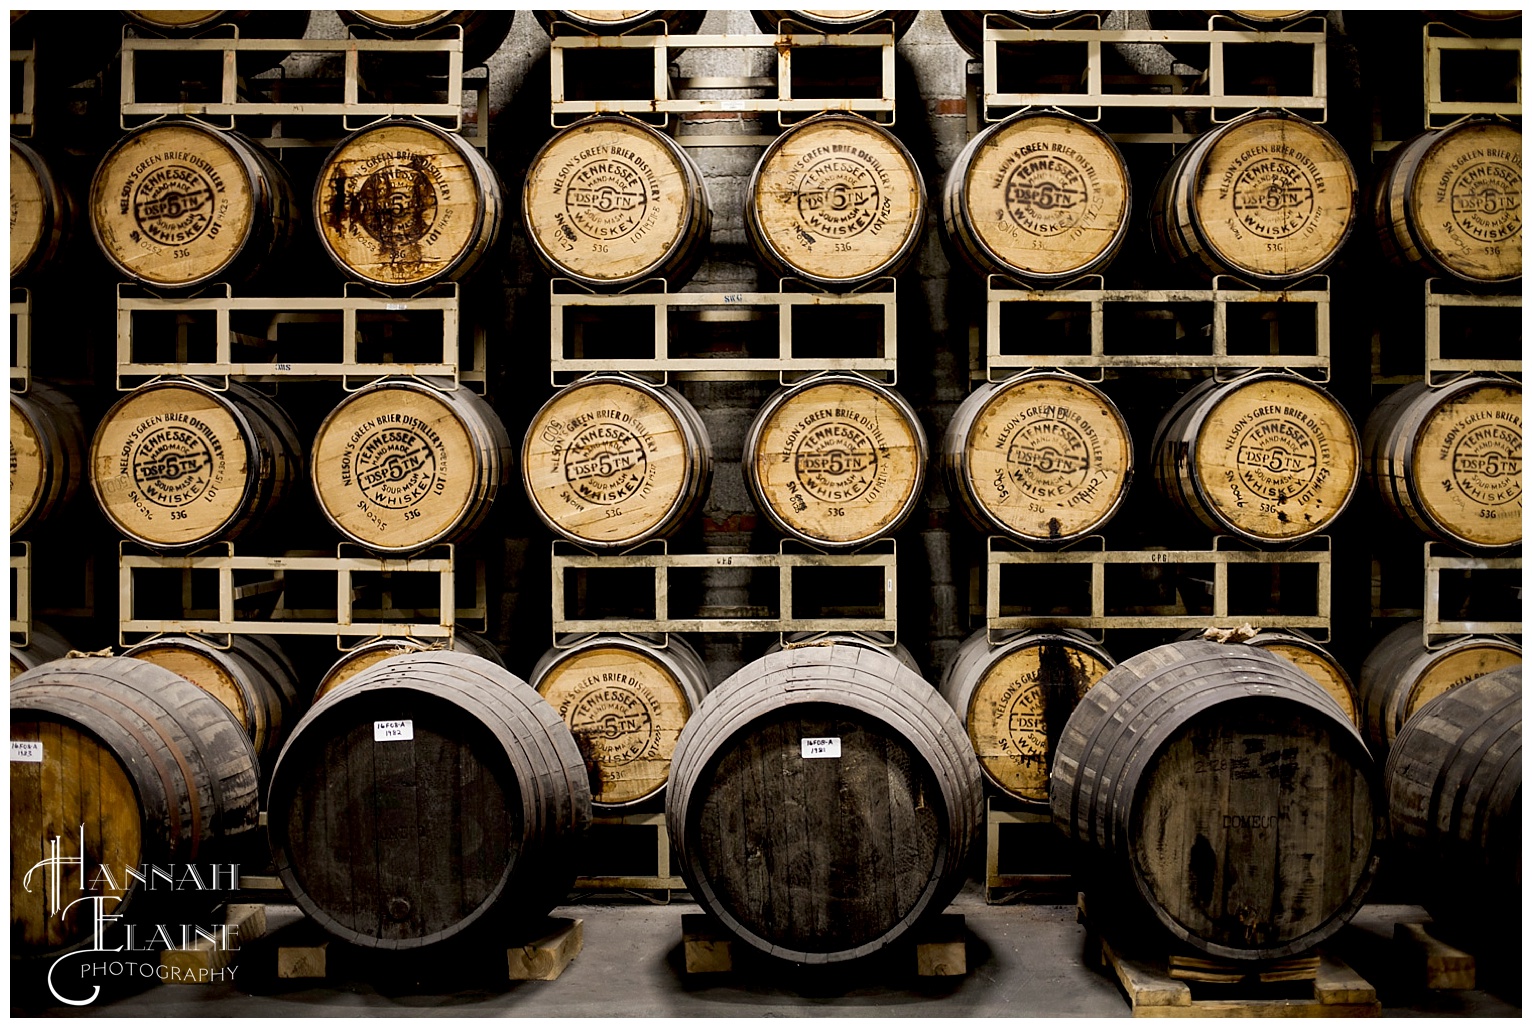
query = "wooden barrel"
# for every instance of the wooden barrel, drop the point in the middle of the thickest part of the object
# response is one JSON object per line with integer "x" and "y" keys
{"x": 836, "y": 200}
{"x": 883, "y": 642}
{"x": 612, "y": 461}
{"x": 1400, "y": 676}
{"x": 1449, "y": 459}
{"x": 1304, "y": 650}
{"x": 43, "y": 644}
{"x": 623, "y": 22}
{"x": 1449, "y": 202}
{"x": 258, "y": 24}
{"x": 836, "y": 461}
{"x": 43, "y": 214}
{"x": 1042, "y": 457}
{"x": 1014, "y": 697}
{"x": 831, "y": 22}
{"x": 177, "y": 463}
{"x": 253, "y": 677}
{"x": 1041, "y": 196}
{"x": 1454, "y": 804}
{"x": 47, "y": 456}
{"x": 492, "y": 828}
{"x": 483, "y": 31}
{"x": 610, "y": 201}
{"x": 1269, "y": 457}
{"x": 401, "y": 204}
{"x": 625, "y": 699}
{"x": 1269, "y": 198}
{"x": 401, "y": 465}
{"x": 1219, "y": 792}
{"x": 823, "y": 802}
{"x": 359, "y": 658}
{"x": 145, "y": 766}
{"x": 178, "y": 204}
{"x": 967, "y": 27}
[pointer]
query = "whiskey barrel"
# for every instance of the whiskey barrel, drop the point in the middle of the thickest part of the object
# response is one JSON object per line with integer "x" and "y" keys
{"x": 47, "y": 456}
{"x": 623, "y": 22}
{"x": 967, "y": 27}
{"x": 1014, "y": 696}
{"x": 403, "y": 464}
{"x": 1269, "y": 457}
{"x": 1218, "y": 792}
{"x": 610, "y": 201}
{"x": 1449, "y": 202}
{"x": 883, "y": 642}
{"x": 253, "y": 677}
{"x": 145, "y": 766}
{"x": 1401, "y": 675}
{"x": 258, "y": 24}
{"x": 612, "y": 461}
{"x": 1315, "y": 661}
{"x": 1454, "y": 804}
{"x": 836, "y": 200}
{"x": 1042, "y": 457}
{"x": 823, "y": 802}
{"x": 625, "y": 699}
{"x": 831, "y": 22}
{"x": 1270, "y": 198}
{"x": 483, "y": 31}
{"x": 359, "y": 658}
{"x": 836, "y": 461}
{"x": 454, "y": 754}
{"x": 43, "y": 214}
{"x": 177, "y": 463}
{"x": 1041, "y": 196}
{"x": 43, "y": 644}
{"x": 402, "y": 204}
{"x": 1449, "y": 460}
{"x": 178, "y": 204}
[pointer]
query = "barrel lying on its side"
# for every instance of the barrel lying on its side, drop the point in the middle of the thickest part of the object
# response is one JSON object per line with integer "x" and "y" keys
{"x": 1219, "y": 792}
{"x": 1454, "y": 803}
{"x": 145, "y": 766}
{"x": 429, "y": 798}
{"x": 822, "y": 802}
{"x": 364, "y": 655}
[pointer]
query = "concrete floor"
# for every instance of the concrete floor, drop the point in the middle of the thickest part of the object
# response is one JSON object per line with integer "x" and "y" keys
{"x": 1026, "y": 960}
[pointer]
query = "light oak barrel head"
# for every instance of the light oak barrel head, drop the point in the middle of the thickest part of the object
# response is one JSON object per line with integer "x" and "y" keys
{"x": 30, "y": 471}
{"x": 837, "y": 461}
{"x": 1449, "y": 459}
{"x": 31, "y": 208}
{"x": 172, "y": 464}
{"x": 402, "y": 204}
{"x": 175, "y": 204}
{"x": 364, "y": 656}
{"x": 1462, "y": 201}
{"x": 1041, "y": 196}
{"x": 406, "y": 19}
{"x": 625, "y": 702}
{"x": 836, "y": 200}
{"x": 611, "y": 461}
{"x": 1269, "y": 197}
{"x": 1270, "y": 458}
{"x": 610, "y": 201}
{"x": 1014, "y": 698}
{"x": 401, "y": 465}
{"x": 622, "y": 21}
{"x": 1400, "y": 676}
{"x": 1041, "y": 457}
{"x": 835, "y": 21}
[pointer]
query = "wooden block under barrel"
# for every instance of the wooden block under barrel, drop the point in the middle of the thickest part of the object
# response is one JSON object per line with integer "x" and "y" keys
{"x": 241, "y": 922}
{"x": 942, "y": 948}
{"x": 708, "y": 950}
{"x": 1436, "y": 964}
{"x": 545, "y": 958}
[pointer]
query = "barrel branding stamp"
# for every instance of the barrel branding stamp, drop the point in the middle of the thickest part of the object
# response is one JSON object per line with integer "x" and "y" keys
{"x": 613, "y": 719}
{"x": 1280, "y": 453}
{"x": 1048, "y": 193}
{"x": 839, "y": 196}
{"x": 1485, "y": 456}
{"x": 1484, "y": 194}
{"x": 173, "y": 203}
{"x": 396, "y": 464}
{"x": 1273, "y": 197}
{"x": 608, "y": 198}
{"x": 1049, "y": 458}
{"x": 397, "y": 204}
{"x": 837, "y": 460}
{"x": 605, "y": 462}
{"x": 175, "y": 464}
